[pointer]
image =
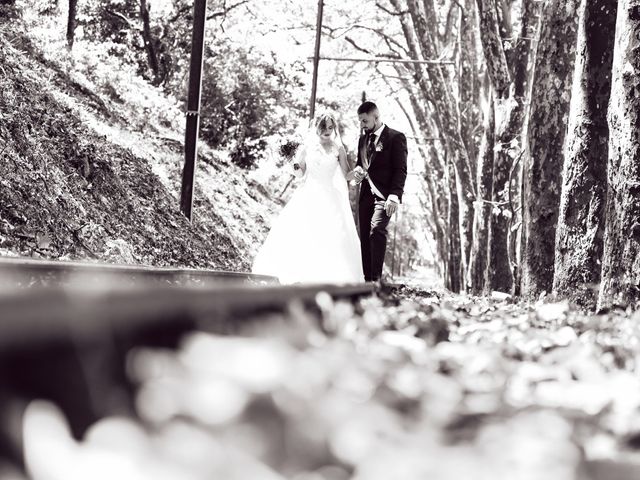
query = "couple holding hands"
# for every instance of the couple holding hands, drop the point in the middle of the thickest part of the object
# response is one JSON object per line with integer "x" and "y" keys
{"x": 314, "y": 239}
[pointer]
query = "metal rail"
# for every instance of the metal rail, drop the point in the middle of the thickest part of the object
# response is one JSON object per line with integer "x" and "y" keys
{"x": 25, "y": 272}
{"x": 84, "y": 313}
{"x": 66, "y": 339}
{"x": 47, "y": 301}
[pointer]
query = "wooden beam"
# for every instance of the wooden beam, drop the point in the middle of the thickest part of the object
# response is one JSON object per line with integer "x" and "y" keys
{"x": 386, "y": 59}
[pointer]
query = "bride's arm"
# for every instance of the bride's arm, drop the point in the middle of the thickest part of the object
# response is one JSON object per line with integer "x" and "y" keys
{"x": 299, "y": 163}
{"x": 344, "y": 164}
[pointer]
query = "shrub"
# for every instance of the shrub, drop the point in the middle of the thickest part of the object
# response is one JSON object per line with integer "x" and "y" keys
{"x": 243, "y": 97}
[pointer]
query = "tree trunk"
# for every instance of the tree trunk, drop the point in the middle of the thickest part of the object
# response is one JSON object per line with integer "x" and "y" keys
{"x": 580, "y": 229}
{"x": 455, "y": 265}
{"x": 493, "y": 50}
{"x": 509, "y": 119}
{"x": 499, "y": 270}
{"x": 509, "y": 109}
{"x": 433, "y": 172}
{"x": 547, "y": 129}
{"x": 433, "y": 177}
{"x": 71, "y": 23}
{"x": 478, "y": 273}
{"x": 149, "y": 42}
{"x": 621, "y": 258}
{"x": 469, "y": 83}
{"x": 449, "y": 121}
{"x": 436, "y": 210}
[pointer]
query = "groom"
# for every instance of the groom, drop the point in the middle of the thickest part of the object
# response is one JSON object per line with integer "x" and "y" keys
{"x": 382, "y": 170}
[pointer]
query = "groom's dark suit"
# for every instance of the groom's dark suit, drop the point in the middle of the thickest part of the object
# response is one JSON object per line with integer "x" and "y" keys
{"x": 386, "y": 163}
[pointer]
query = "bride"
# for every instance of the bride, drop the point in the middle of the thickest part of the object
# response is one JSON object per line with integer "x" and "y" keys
{"x": 314, "y": 239}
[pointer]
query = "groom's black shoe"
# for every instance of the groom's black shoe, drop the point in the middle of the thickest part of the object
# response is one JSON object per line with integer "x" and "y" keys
{"x": 377, "y": 284}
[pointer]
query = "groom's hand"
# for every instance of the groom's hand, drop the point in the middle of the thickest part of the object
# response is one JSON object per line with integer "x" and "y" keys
{"x": 358, "y": 174}
{"x": 391, "y": 205}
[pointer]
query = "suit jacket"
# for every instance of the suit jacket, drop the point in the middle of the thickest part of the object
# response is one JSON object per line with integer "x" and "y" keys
{"x": 388, "y": 164}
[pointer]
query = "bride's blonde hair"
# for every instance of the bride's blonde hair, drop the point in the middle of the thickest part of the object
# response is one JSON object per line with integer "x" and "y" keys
{"x": 323, "y": 120}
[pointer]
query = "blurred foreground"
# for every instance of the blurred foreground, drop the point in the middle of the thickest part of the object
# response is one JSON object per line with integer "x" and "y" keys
{"x": 405, "y": 386}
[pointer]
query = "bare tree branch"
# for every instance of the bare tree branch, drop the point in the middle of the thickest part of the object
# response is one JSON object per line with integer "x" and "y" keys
{"x": 391, "y": 43}
{"x": 225, "y": 10}
{"x": 130, "y": 23}
{"x": 391, "y": 12}
{"x": 335, "y": 33}
{"x": 393, "y": 90}
{"x": 358, "y": 47}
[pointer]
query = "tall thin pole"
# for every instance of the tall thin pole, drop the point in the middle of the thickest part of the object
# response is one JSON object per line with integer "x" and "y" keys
{"x": 193, "y": 107}
{"x": 316, "y": 60}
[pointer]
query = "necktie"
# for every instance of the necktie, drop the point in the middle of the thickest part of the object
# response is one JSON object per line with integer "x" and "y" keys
{"x": 371, "y": 146}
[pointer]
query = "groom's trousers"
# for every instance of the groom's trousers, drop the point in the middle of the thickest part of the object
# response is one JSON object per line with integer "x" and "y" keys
{"x": 373, "y": 221}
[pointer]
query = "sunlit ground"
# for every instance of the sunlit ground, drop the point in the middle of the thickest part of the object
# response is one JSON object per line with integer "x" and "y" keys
{"x": 539, "y": 392}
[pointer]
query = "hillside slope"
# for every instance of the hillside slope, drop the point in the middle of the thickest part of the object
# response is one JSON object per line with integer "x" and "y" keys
{"x": 85, "y": 175}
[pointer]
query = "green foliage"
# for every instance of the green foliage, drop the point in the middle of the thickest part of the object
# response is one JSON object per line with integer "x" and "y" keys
{"x": 246, "y": 98}
{"x": 70, "y": 192}
{"x": 112, "y": 21}
{"x": 116, "y": 25}
{"x": 245, "y": 153}
{"x": 8, "y": 9}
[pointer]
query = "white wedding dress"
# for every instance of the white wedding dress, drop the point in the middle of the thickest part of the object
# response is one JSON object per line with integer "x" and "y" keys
{"x": 314, "y": 239}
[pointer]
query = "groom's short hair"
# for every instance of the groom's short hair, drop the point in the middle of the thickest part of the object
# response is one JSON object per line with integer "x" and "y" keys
{"x": 367, "y": 107}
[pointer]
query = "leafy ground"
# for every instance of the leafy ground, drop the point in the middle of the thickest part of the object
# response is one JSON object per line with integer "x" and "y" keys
{"x": 91, "y": 169}
{"x": 412, "y": 384}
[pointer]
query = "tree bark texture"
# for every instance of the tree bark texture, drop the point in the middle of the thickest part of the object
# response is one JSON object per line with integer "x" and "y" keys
{"x": 547, "y": 129}
{"x": 509, "y": 119}
{"x": 580, "y": 231}
{"x": 492, "y": 45}
{"x": 469, "y": 82}
{"x": 439, "y": 209}
{"x": 510, "y": 111}
{"x": 149, "y": 42}
{"x": 433, "y": 172}
{"x": 455, "y": 281}
{"x": 449, "y": 121}
{"x": 414, "y": 53}
{"x": 435, "y": 206}
{"x": 524, "y": 51}
{"x": 71, "y": 22}
{"x": 621, "y": 257}
{"x": 482, "y": 207}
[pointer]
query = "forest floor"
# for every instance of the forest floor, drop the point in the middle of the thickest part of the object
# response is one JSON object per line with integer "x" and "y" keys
{"x": 409, "y": 384}
{"x": 91, "y": 169}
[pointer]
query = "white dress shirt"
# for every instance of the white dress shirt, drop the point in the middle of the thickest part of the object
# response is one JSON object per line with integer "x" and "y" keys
{"x": 378, "y": 132}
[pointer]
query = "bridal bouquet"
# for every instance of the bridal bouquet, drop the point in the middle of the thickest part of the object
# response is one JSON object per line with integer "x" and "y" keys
{"x": 288, "y": 149}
